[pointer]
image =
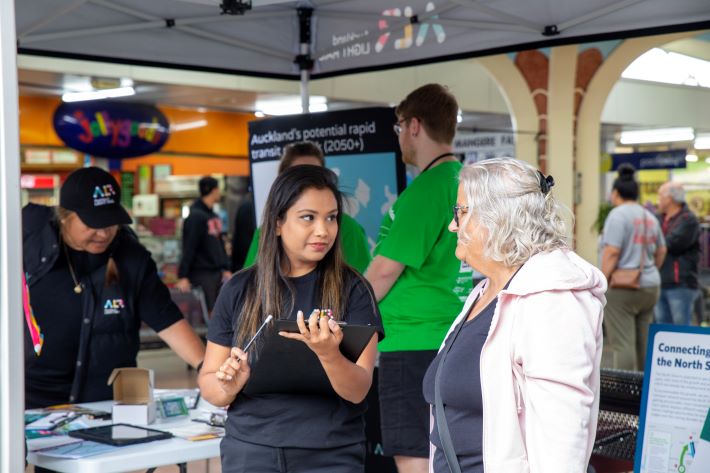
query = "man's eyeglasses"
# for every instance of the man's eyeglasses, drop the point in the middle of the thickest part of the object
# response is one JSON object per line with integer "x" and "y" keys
{"x": 459, "y": 210}
{"x": 397, "y": 127}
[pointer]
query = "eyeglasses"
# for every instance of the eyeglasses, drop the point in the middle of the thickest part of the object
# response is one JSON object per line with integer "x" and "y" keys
{"x": 459, "y": 210}
{"x": 397, "y": 127}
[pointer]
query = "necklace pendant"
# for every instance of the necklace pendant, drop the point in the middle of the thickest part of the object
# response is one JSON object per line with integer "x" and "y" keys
{"x": 77, "y": 289}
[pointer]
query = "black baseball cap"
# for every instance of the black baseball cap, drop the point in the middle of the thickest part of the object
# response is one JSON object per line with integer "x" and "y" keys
{"x": 95, "y": 196}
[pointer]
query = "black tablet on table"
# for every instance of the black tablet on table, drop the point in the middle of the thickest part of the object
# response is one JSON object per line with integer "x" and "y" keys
{"x": 283, "y": 365}
{"x": 120, "y": 434}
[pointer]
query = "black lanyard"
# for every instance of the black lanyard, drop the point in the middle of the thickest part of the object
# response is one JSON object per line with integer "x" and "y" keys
{"x": 438, "y": 158}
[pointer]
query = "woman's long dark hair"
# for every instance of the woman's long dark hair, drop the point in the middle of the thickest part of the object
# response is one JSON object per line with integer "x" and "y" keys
{"x": 267, "y": 293}
{"x": 625, "y": 185}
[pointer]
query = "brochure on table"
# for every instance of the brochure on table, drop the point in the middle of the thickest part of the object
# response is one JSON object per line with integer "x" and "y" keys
{"x": 674, "y": 422}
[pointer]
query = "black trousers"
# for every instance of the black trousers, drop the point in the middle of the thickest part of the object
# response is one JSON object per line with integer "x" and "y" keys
{"x": 210, "y": 282}
{"x": 244, "y": 457}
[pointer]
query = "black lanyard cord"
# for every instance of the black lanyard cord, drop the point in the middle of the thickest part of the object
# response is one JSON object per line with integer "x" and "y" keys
{"x": 438, "y": 158}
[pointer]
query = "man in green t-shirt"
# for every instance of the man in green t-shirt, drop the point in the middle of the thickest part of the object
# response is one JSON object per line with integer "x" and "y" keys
{"x": 352, "y": 236}
{"x": 415, "y": 274}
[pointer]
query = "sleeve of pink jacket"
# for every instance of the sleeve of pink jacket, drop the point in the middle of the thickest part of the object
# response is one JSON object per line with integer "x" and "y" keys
{"x": 557, "y": 343}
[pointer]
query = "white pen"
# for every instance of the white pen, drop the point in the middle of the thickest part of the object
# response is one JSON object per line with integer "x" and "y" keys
{"x": 253, "y": 339}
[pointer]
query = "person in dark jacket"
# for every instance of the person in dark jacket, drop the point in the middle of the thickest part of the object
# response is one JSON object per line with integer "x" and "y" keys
{"x": 679, "y": 273}
{"x": 204, "y": 260}
{"x": 88, "y": 285}
{"x": 244, "y": 228}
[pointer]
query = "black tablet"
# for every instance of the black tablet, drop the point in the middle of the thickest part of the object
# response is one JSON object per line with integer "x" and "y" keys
{"x": 120, "y": 434}
{"x": 282, "y": 365}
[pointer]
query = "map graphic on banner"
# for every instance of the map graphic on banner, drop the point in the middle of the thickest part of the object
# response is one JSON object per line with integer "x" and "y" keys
{"x": 360, "y": 147}
{"x": 367, "y": 188}
{"x": 674, "y": 423}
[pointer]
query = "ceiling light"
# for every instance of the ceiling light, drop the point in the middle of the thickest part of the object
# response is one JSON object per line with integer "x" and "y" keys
{"x": 188, "y": 125}
{"x": 659, "y": 135}
{"x": 702, "y": 142}
{"x": 98, "y": 94}
{"x": 691, "y": 158}
{"x": 290, "y": 105}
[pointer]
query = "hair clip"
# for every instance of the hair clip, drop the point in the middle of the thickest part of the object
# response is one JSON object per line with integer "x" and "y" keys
{"x": 546, "y": 183}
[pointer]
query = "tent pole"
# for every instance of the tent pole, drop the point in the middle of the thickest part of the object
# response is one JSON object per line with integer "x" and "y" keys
{"x": 12, "y": 371}
{"x": 304, "y": 60}
{"x": 305, "y": 95}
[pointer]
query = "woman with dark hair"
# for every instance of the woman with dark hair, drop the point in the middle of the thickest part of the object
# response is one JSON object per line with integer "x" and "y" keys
{"x": 632, "y": 239}
{"x": 300, "y": 267}
{"x": 353, "y": 239}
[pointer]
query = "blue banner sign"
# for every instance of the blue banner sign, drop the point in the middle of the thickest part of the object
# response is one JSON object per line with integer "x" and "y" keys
{"x": 111, "y": 129}
{"x": 670, "y": 159}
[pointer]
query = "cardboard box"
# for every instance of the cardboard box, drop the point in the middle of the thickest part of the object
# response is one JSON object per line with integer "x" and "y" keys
{"x": 133, "y": 401}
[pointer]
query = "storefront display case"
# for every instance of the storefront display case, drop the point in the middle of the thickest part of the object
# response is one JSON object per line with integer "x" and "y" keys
{"x": 40, "y": 189}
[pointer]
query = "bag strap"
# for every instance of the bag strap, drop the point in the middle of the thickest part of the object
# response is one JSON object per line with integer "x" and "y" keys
{"x": 643, "y": 239}
{"x": 441, "y": 424}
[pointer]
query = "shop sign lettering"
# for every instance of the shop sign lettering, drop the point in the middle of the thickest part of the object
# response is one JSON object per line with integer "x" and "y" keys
{"x": 111, "y": 130}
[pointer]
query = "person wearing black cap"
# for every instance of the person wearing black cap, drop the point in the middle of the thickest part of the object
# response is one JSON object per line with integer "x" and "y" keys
{"x": 89, "y": 284}
{"x": 204, "y": 261}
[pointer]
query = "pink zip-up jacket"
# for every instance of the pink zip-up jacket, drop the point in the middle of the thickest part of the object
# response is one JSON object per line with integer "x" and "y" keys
{"x": 540, "y": 367}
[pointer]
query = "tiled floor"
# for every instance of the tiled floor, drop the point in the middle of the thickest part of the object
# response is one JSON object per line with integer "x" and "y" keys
{"x": 171, "y": 372}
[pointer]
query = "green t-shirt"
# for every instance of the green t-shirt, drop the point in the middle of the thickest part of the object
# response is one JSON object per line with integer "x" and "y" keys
{"x": 429, "y": 294}
{"x": 352, "y": 237}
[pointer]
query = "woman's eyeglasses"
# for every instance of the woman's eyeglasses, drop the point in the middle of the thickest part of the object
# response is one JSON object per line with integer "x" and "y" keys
{"x": 459, "y": 210}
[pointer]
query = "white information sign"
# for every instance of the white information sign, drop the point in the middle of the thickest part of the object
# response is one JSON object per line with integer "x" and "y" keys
{"x": 674, "y": 422}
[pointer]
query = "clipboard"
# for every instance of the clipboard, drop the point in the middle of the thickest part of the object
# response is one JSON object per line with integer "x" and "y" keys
{"x": 120, "y": 434}
{"x": 289, "y": 366}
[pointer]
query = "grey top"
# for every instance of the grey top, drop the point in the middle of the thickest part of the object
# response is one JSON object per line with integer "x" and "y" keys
{"x": 461, "y": 392}
{"x": 624, "y": 229}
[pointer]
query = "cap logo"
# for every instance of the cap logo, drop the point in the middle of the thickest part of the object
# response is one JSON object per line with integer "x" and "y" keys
{"x": 103, "y": 195}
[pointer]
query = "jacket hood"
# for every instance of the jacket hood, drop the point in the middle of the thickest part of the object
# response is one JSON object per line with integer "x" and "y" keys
{"x": 558, "y": 270}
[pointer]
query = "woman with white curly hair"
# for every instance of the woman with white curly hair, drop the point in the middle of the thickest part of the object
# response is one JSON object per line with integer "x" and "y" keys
{"x": 515, "y": 386}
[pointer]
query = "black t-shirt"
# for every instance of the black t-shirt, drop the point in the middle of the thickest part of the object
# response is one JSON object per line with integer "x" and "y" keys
{"x": 461, "y": 392}
{"x": 294, "y": 420}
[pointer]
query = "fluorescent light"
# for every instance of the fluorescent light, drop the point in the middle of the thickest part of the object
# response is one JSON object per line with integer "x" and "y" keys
{"x": 691, "y": 158}
{"x": 188, "y": 125}
{"x": 659, "y": 135}
{"x": 98, "y": 94}
{"x": 290, "y": 105}
{"x": 702, "y": 142}
{"x": 317, "y": 107}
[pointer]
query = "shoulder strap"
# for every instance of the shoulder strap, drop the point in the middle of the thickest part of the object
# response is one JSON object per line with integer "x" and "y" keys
{"x": 441, "y": 424}
{"x": 643, "y": 239}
